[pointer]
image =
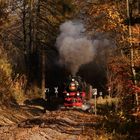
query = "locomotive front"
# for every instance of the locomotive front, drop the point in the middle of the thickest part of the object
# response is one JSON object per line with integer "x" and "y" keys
{"x": 74, "y": 94}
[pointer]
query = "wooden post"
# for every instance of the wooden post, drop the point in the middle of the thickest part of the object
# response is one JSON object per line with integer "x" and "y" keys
{"x": 95, "y": 104}
{"x": 95, "y": 100}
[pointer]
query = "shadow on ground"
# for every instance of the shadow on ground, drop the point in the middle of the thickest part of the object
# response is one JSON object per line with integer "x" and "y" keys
{"x": 49, "y": 105}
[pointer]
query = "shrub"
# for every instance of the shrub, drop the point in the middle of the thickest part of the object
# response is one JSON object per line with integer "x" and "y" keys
{"x": 5, "y": 81}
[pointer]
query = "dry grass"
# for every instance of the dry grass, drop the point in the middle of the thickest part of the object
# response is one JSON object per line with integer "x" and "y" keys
{"x": 107, "y": 100}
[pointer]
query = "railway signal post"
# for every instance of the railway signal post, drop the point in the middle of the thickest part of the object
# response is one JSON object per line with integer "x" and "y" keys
{"x": 95, "y": 100}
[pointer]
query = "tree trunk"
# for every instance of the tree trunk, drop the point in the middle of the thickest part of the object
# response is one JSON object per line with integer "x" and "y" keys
{"x": 132, "y": 51}
{"x": 30, "y": 28}
{"x": 43, "y": 74}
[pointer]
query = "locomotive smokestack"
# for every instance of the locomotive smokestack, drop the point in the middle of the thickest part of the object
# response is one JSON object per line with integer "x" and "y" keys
{"x": 74, "y": 48}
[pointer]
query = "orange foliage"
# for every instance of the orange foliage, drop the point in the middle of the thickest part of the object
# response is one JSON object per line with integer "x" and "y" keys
{"x": 121, "y": 76}
{"x": 106, "y": 17}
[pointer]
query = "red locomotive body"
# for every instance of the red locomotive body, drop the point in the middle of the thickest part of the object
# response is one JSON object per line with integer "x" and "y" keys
{"x": 74, "y": 95}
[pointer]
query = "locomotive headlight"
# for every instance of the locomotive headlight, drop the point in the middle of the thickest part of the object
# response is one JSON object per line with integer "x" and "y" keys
{"x": 67, "y": 94}
{"x": 78, "y": 94}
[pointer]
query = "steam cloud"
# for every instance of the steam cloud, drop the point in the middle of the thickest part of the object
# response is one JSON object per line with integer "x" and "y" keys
{"x": 74, "y": 48}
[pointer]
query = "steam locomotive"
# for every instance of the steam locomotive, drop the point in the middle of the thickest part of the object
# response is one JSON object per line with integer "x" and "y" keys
{"x": 74, "y": 94}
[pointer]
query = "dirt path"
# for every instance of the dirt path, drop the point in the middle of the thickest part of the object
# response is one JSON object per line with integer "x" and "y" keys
{"x": 30, "y": 123}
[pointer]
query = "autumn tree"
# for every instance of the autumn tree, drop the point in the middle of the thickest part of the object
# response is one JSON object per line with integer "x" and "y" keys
{"x": 34, "y": 26}
{"x": 108, "y": 20}
{"x": 5, "y": 65}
